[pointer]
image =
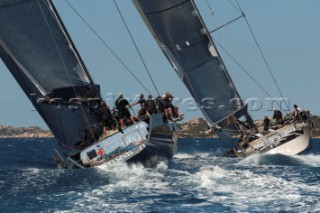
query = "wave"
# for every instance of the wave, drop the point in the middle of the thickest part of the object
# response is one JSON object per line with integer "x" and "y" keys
{"x": 196, "y": 181}
{"x": 240, "y": 188}
{"x": 310, "y": 160}
{"x": 271, "y": 159}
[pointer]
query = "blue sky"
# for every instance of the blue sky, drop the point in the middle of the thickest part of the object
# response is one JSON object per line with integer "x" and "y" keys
{"x": 288, "y": 32}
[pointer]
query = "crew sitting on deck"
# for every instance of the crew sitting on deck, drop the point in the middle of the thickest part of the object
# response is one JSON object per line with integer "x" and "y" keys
{"x": 175, "y": 111}
{"x": 171, "y": 111}
{"x": 160, "y": 104}
{"x": 266, "y": 124}
{"x": 151, "y": 105}
{"x": 277, "y": 115}
{"x": 299, "y": 115}
{"x": 168, "y": 107}
{"x": 142, "y": 113}
{"x": 122, "y": 106}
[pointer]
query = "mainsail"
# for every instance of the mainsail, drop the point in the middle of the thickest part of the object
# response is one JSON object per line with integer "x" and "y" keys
{"x": 183, "y": 37}
{"x": 39, "y": 53}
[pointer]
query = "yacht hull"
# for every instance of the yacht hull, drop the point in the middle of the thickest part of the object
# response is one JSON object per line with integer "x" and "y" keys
{"x": 289, "y": 140}
{"x": 162, "y": 143}
{"x": 159, "y": 148}
{"x": 147, "y": 142}
{"x": 295, "y": 146}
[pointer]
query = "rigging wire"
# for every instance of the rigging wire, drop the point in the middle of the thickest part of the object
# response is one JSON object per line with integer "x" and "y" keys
{"x": 262, "y": 54}
{"x": 229, "y": 22}
{"x": 235, "y": 7}
{"x": 133, "y": 41}
{"x": 209, "y": 5}
{"x": 108, "y": 47}
{"x": 64, "y": 65}
{"x": 242, "y": 68}
{"x": 235, "y": 61}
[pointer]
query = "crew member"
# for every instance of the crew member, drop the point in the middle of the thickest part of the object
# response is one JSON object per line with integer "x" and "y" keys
{"x": 122, "y": 106}
{"x": 277, "y": 115}
{"x": 151, "y": 105}
{"x": 106, "y": 117}
{"x": 266, "y": 123}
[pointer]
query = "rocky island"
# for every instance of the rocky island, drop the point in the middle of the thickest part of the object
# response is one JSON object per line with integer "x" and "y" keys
{"x": 196, "y": 128}
{"x": 7, "y": 131}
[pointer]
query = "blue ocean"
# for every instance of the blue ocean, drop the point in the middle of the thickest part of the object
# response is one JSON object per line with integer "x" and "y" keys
{"x": 196, "y": 180}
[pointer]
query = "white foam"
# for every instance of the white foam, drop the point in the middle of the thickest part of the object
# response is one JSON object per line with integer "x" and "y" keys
{"x": 243, "y": 187}
{"x": 183, "y": 156}
{"x": 33, "y": 170}
{"x": 204, "y": 155}
{"x": 236, "y": 187}
{"x": 252, "y": 160}
{"x": 124, "y": 179}
{"x": 311, "y": 160}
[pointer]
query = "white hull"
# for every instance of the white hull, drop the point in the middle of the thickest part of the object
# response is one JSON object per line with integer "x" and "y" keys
{"x": 120, "y": 146}
{"x": 295, "y": 146}
{"x": 289, "y": 140}
{"x": 146, "y": 142}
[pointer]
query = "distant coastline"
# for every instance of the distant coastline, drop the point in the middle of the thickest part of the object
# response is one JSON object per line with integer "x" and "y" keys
{"x": 198, "y": 128}
{"x": 195, "y": 128}
{"x": 189, "y": 129}
{"x": 7, "y": 131}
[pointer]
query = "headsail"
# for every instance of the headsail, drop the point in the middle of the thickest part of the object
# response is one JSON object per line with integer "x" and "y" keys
{"x": 183, "y": 37}
{"x": 39, "y": 53}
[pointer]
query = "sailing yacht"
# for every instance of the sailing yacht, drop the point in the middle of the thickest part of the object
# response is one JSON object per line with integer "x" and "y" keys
{"x": 182, "y": 35}
{"x": 40, "y": 54}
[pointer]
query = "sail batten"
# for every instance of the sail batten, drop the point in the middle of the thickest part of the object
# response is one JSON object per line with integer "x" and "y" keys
{"x": 182, "y": 35}
{"x": 167, "y": 9}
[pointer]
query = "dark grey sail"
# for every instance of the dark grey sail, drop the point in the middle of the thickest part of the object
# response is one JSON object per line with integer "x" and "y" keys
{"x": 183, "y": 37}
{"x": 39, "y": 53}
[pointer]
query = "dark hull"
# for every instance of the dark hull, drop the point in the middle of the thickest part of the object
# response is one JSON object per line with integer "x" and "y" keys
{"x": 159, "y": 148}
{"x": 162, "y": 144}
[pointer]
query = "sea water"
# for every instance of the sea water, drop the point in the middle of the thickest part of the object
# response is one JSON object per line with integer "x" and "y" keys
{"x": 196, "y": 180}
